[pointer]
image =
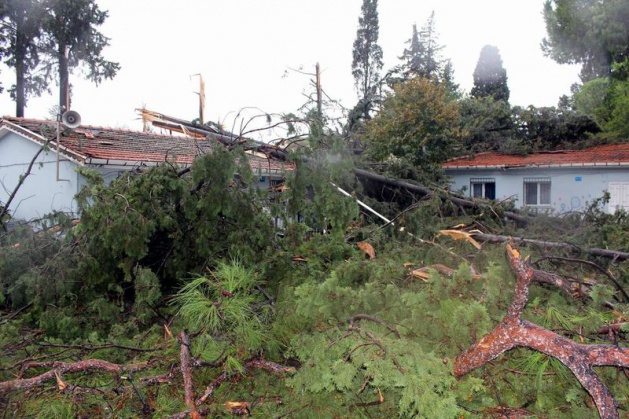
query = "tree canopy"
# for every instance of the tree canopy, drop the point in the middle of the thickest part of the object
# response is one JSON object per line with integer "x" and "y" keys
{"x": 366, "y": 53}
{"x": 592, "y": 33}
{"x": 418, "y": 125}
{"x": 50, "y": 38}
{"x": 490, "y": 77}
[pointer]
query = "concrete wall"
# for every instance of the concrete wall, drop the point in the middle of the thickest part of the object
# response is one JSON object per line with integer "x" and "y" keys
{"x": 572, "y": 189}
{"x": 41, "y": 192}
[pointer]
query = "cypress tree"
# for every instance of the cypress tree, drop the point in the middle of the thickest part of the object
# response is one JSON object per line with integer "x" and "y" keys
{"x": 490, "y": 77}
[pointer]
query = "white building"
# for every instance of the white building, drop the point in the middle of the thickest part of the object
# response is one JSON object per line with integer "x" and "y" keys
{"x": 558, "y": 181}
{"x": 53, "y": 181}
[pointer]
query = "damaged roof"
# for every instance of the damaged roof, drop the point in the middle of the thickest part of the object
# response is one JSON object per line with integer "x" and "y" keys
{"x": 602, "y": 155}
{"x": 92, "y": 145}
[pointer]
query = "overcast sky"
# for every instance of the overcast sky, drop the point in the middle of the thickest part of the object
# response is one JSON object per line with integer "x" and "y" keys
{"x": 243, "y": 49}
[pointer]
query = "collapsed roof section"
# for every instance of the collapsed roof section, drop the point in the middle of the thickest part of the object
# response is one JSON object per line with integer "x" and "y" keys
{"x": 101, "y": 146}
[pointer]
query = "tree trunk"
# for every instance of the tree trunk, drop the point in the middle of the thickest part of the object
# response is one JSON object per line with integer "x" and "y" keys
{"x": 64, "y": 79}
{"x": 411, "y": 187}
{"x": 20, "y": 65}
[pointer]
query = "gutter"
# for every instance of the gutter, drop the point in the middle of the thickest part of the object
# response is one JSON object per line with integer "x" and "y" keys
{"x": 536, "y": 166}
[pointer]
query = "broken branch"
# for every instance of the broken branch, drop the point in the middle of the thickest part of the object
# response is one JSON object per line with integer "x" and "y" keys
{"x": 513, "y": 332}
{"x": 58, "y": 368}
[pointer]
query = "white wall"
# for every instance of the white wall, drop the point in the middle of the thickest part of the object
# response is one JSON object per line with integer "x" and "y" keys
{"x": 40, "y": 193}
{"x": 572, "y": 189}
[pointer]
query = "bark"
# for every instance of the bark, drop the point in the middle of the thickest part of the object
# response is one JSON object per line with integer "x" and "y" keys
{"x": 495, "y": 238}
{"x": 411, "y": 187}
{"x": 513, "y": 332}
{"x": 186, "y": 372}
{"x": 58, "y": 368}
{"x": 64, "y": 79}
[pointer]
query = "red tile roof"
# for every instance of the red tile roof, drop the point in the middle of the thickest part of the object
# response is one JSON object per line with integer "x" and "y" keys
{"x": 603, "y": 155}
{"x": 99, "y": 145}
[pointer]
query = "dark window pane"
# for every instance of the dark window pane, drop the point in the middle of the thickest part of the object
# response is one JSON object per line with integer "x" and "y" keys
{"x": 477, "y": 190}
{"x": 530, "y": 194}
{"x": 490, "y": 190}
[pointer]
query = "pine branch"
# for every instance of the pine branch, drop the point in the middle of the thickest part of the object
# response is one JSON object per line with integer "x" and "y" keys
{"x": 58, "y": 368}
{"x": 186, "y": 372}
{"x": 514, "y": 332}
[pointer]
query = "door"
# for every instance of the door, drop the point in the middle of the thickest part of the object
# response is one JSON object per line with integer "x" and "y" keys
{"x": 618, "y": 196}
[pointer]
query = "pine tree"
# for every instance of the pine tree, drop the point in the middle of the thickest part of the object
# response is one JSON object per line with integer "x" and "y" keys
{"x": 490, "y": 77}
{"x": 412, "y": 56}
{"x": 71, "y": 38}
{"x": 367, "y": 54}
{"x": 431, "y": 61}
{"x": 22, "y": 20}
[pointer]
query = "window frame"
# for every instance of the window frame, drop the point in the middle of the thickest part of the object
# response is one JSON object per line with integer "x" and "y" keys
{"x": 540, "y": 193}
{"x": 483, "y": 181}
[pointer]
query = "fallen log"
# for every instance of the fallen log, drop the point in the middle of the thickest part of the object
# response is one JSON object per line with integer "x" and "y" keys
{"x": 514, "y": 332}
{"x": 496, "y": 238}
{"x": 411, "y": 187}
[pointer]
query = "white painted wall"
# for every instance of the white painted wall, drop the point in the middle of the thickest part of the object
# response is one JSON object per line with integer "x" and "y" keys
{"x": 572, "y": 189}
{"x": 40, "y": 193}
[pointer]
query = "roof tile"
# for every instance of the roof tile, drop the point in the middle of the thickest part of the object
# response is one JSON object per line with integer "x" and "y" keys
{"x": 603, "y": 154}
{"x": 89, "y": 143}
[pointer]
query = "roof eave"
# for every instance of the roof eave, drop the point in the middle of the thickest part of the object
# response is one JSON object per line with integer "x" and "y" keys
{"x": 536, "y": 166}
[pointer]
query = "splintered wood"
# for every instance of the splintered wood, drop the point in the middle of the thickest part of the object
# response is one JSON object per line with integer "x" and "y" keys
{"x": 513, "y": 332}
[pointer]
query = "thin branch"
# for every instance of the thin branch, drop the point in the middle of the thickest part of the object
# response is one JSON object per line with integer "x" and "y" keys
{"x": 58, "y": 368}
{"x": 5, "y": 209}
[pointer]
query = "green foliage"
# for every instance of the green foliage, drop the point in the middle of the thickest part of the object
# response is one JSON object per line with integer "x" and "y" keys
{"x": 423, "y": 57}
{"x": 227, "y": 307}
{"x": 418, "y": 125}
{"x": 589, "y": 32}
{"x": 366, "y": 53}
{"x": 487, "y": 124}
{"x": 490, "y": 77}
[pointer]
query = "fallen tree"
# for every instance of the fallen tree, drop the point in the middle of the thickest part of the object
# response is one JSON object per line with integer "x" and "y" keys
{"x": 418, "y": 189}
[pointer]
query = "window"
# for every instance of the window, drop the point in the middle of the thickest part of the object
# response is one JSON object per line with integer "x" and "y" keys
{"x": 483, "y": 188}
{"x": 537, "y": 191}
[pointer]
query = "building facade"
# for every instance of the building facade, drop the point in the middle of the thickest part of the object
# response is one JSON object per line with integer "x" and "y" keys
{"x": 558, "y": 181}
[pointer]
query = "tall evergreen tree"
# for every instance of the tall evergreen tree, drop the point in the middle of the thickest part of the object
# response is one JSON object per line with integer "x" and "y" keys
{"x": 367, "y": 55}
{"x": 21, "y": 21}
{"x": 490, "y": 77}
{"x": 71, "y": 39}
{"x": 431, "y": 61}
{"x": 412, "y": 56}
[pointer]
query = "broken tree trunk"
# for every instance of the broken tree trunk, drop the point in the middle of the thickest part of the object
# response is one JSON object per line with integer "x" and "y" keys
{"x": 464, "y": 203}
{"x": 513, "y": 332}
{"x": 186, "y": 372}
{"x": 495, "y": 238}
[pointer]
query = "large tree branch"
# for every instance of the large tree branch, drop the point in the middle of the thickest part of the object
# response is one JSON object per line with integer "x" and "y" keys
{"x": 496, "y": 238}
{"x": 411, "y": 187}
{"x": 513, "y": 332}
